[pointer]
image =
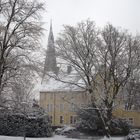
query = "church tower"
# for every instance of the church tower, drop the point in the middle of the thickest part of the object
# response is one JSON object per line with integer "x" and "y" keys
{"x": 50, "y": 60}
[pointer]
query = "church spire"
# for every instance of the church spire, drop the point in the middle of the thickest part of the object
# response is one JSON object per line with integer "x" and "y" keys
{"x": 50, "y": 60}
{"x": 51, "y": 37}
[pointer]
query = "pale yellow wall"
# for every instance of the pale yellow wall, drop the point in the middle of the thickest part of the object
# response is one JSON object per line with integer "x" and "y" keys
{"x": 67, "y": 99}
{"x": 78, "y": 99}
{"x": 127, "y": 114}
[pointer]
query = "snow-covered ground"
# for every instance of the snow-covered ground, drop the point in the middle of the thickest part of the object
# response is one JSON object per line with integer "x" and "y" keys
{"x": 56, "y": 137}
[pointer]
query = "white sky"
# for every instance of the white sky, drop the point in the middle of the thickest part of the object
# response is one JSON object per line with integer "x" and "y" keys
{"x": 121, "y": 13}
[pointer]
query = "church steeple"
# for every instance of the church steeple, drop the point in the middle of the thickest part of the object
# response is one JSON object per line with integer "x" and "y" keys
{"x": 50, "y": 61}
{"x": 51, "y": 37}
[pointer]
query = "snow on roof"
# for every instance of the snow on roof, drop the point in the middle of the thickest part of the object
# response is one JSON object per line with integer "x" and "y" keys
{"x": 68, "y": 82}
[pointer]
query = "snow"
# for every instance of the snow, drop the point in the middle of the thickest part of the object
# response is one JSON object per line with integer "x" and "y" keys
{"x": 113, "y": 138}
{"x": 62, "y": 84}
{"x": 67, "y": 128}
{"x": 63, "y": 81}
{"x": 56, "y": 137}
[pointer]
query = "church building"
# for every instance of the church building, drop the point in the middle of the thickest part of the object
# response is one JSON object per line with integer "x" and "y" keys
{"x": 60, "y": 99}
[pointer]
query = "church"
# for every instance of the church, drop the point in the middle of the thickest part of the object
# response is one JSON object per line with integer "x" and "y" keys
{"x": 61, "y": 99}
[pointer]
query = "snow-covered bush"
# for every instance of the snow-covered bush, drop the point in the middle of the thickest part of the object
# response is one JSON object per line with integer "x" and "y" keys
{"x": 18, "y": 124}
{"x": 90, "y": 123}
{"x": 89, "y": 120}
{"x": 11, "y": 124}
{"x": 38, "y": 128}
{"x": 118, "y": 127}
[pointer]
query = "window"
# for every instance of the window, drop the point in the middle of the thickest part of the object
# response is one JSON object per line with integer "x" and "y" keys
{"x": 73, "y": 108}
{"x": 51, "y": 96}
{"x": 61, "y": 119}
{"x": 51, "y": 118}
{"x": 131, "y": 121}
{"x": 49, "y": 107}
{"x": 61, "y": 107}
{"x": 73, "y": 119}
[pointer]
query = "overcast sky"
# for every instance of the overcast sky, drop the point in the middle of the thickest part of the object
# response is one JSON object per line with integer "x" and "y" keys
{"x": 121, "y": 13}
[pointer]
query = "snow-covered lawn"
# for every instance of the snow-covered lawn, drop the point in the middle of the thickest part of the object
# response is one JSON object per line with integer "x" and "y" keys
{"x": 56, "y": 137}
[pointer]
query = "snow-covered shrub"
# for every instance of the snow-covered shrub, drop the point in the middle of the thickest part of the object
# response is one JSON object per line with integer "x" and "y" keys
{"x": 90, "y": 123}
{"x": 38, "y": 127}
{"x": 18, "y": 124}
{"x": 11, "y": 124}
{"x": 118, "y": 127}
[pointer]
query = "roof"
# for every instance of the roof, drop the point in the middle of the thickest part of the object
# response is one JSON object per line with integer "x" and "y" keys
{"x": 66, "y": 82}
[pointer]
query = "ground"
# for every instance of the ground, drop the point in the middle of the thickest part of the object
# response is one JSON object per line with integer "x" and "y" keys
{"x": 56, "y": 137}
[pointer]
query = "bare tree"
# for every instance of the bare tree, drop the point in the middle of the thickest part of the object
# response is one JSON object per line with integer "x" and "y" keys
{"x": 132, "y": 95}
{"x": 22, "y": 87}
{"x": 2, "y": 4}
{"x": 19, "y": 35}
{"x": 119, "y": 58}
{"x": 103, "y": 59}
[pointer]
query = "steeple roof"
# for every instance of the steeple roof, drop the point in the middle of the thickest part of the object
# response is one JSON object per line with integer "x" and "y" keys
{"x": 51, "y": 37}
{"x": 50, "y": 60}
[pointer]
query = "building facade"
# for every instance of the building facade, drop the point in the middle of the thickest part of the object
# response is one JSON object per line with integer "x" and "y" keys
{"x": 62, "y": 100}
{"x": 62, "y": 106}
